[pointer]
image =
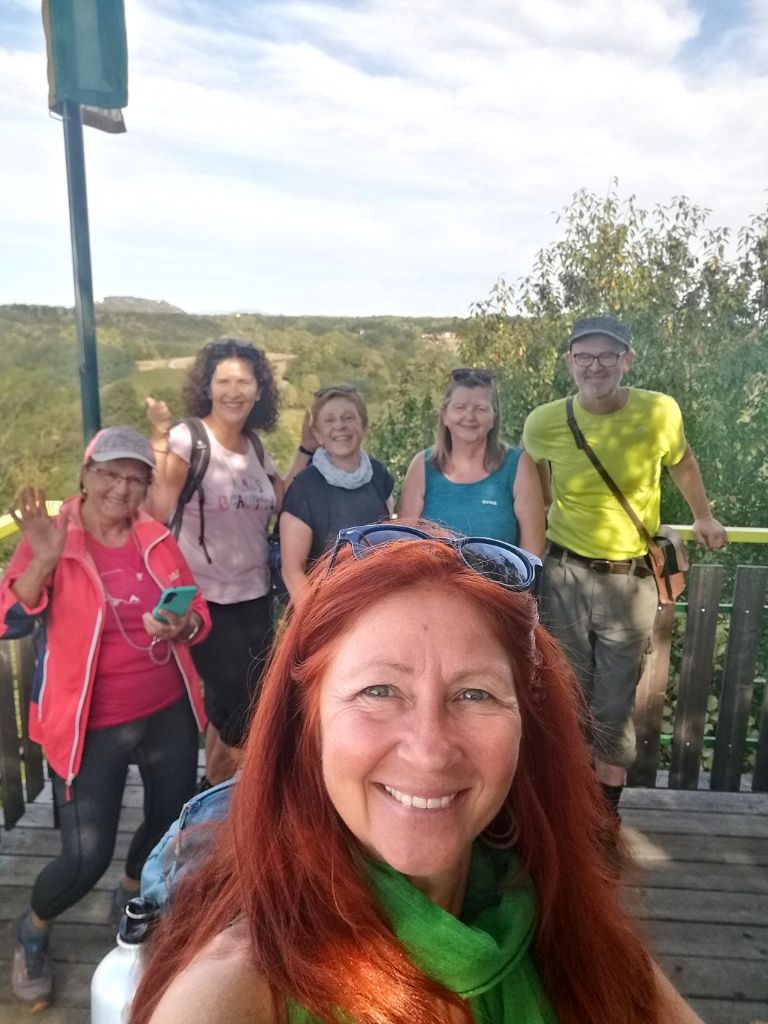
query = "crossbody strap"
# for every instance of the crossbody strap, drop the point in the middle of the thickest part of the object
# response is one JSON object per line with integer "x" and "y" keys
{"x": 583, "y": 444}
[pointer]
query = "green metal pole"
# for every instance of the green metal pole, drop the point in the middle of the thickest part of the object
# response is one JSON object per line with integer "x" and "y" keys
{"x": 81, "y": 265}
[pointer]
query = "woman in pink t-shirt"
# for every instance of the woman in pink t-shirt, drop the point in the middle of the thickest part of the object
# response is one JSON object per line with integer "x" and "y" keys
{"x": 231, "y": 392}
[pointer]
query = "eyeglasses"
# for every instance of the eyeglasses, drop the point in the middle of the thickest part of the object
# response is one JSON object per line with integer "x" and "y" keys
{"x": 606, "y": 359}
{"x": 112, "y": 479}
{"x": 469, "y": 372}
{"x": 496, "y": 560}
{"x": 344, "y": 389}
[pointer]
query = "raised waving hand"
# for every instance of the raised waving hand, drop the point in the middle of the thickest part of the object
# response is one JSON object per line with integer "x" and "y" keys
{"x": 46, "y": 536}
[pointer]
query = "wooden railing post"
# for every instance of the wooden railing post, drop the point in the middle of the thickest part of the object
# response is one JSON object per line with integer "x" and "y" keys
{"x": 695, "y": 675}
{"x": 10, "y": 762}
{"x": 760, "y": 773}
{"x": 17, "y": 663}
{"x": 650, "y": 699}
{"x": 738, "y": 677}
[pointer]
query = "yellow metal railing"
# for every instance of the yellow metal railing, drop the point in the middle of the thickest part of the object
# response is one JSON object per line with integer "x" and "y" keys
{"x": 736, "y": 534}
{"x": 8, "y": 527}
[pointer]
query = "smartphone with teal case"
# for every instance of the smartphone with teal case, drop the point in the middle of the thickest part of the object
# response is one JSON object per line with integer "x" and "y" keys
{"x": 174, "y": 599}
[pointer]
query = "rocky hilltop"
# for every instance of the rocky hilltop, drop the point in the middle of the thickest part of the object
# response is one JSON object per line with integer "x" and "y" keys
{"x": 131, "y": 304}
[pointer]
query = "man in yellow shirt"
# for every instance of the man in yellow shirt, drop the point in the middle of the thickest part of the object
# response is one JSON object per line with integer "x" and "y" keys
{"x": 598, "y": 595}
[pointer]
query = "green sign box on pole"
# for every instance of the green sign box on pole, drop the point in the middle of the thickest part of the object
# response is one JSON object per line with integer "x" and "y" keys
{"x": 88, "y": 84}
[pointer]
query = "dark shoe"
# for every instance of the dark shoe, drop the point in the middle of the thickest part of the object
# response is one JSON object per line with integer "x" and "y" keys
{"x": 612, "y": 847}
{"x": 120, "y": 897}
{"x": 31, "y": 975}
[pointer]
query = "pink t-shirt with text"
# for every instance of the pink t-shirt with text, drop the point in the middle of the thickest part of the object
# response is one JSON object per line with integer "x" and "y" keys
{"x": 239, "y": 502}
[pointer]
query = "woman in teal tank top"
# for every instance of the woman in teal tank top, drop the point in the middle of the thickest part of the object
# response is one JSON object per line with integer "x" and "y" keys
{"x": 415, "y": 834}
{"x": 470, "y": 481}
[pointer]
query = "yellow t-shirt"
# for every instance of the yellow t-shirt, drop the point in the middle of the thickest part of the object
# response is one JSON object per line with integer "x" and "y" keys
{"x": 632, "y": 444}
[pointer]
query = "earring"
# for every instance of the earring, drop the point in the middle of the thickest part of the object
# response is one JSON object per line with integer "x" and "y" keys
{"x": 501, "y": 834}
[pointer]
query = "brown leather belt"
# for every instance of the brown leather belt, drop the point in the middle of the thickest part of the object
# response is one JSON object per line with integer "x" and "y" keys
{"x": 637, "y": 566}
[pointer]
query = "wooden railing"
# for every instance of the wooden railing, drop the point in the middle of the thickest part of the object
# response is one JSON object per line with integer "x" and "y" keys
{"x": 702, "y": 612}
{"x": 21, "y": 768}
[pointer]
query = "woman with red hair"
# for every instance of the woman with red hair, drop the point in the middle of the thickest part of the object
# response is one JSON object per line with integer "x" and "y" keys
{"x": 415, "y": 833}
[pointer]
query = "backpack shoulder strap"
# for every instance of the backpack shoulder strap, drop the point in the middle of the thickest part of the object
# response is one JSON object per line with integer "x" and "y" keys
{"x": 199, "y": 458}
{"x": 257, "y": 444}
{"x": 375, "y": 481}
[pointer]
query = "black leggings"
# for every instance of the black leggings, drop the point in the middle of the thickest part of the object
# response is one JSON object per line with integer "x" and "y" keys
{"x": 231, "y": 660}
{"x": 164, "y": 746}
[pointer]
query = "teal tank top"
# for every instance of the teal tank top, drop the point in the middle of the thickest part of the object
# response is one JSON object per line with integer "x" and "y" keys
{"x": 483, "y": 509}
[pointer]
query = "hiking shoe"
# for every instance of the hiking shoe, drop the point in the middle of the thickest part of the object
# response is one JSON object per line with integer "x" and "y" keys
{"x": 31, "y": 975}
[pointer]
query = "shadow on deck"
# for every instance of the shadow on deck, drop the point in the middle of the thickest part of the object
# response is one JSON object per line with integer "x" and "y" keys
{"x": 698, "y": 884}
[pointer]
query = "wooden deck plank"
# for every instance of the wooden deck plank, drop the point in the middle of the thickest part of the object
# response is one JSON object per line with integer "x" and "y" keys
{"x": 22, "y": 842}
{"x": 745, "y": 909}
{"x": 698, "y": 877}
{"x": 40, "y": 815}
{"x": 678, "y": 847}
{"x": 92, "y": 909}
{"x": 16, "y": 870}
{"x": 715, "y": 1011}
{"x": 699, "y": 824}
{"x": 703, "y": 801}
{"x": 13, "y": 1014}
{"x": 734, "y": 979}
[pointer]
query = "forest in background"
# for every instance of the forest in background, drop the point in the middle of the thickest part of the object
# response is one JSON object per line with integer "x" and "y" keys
{"x": 696, "y": 300}
{"x": 144, "y": 349}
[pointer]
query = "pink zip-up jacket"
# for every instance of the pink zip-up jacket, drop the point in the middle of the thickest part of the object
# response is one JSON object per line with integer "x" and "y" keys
{"x": 74, "y": 604}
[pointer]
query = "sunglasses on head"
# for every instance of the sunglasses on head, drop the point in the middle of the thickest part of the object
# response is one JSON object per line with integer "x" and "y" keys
{"x": 344, "y": 389}
{"x": 497, "y": 561}
{"x": 463, "y": 373}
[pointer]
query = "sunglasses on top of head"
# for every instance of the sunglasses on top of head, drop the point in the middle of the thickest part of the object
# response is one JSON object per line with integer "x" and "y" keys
{"x": 344, "y": 389}
{"x": 509, "y": 566}
{"x": 474, "y": 374}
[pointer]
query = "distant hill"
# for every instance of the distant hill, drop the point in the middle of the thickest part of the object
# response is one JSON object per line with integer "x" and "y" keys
{"x": 131, "y": 304}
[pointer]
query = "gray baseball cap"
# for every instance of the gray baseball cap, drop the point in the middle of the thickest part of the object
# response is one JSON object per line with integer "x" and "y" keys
{"x": 119, "y": 443}
{"x": 607, "y": 325}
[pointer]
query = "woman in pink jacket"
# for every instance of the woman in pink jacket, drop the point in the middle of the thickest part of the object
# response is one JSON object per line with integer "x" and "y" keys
{"x": 114, "y": 686}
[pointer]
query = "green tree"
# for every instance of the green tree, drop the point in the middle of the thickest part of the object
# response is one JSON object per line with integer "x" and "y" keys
{"x": 696, "y": 306}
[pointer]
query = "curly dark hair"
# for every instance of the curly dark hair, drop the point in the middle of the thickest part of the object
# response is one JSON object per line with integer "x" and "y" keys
{"x": 197, "y": 389}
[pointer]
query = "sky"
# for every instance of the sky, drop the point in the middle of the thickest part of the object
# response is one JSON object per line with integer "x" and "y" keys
{"x": 366, "y": 157}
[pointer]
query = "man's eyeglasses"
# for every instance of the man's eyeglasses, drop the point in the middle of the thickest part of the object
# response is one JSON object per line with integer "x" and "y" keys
{"x": 463, "y": 373}
{"x": 606, "y": 359}
{"x": 111, "y": 479}
{"x": 344, "y": 389}
{"x": 496, "y": 560}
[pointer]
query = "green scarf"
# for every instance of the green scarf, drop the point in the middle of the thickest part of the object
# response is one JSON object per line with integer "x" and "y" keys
{"x": 483, "y": 955}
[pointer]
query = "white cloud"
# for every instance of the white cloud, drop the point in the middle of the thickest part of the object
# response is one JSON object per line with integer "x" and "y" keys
{"x": 385, "y": 155}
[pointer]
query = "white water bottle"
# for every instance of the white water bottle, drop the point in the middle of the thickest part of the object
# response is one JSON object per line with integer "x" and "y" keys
{"x": 116, "y": 978}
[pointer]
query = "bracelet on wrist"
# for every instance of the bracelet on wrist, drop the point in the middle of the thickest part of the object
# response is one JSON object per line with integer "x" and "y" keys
{"x": 306, "y": 451}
